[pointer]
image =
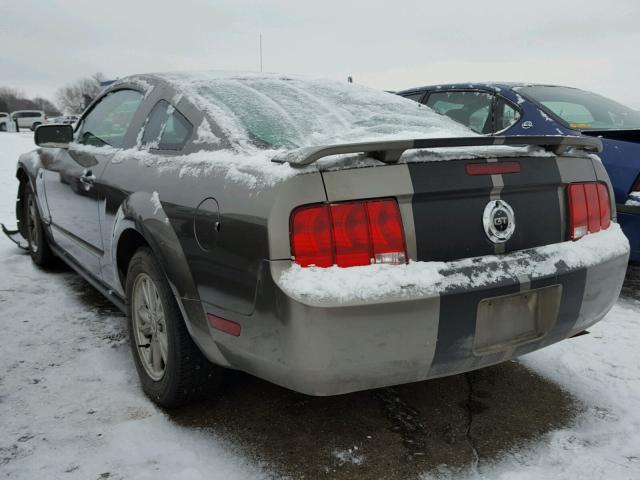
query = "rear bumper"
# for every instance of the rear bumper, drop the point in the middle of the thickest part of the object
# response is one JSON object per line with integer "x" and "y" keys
{"x": 324, "y": 346}
{"x": 629, "y": 218}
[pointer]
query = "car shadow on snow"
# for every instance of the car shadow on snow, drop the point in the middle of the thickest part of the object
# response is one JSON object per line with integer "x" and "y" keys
{"x": 631, "y": 287}
{"x": 397, "y": 432}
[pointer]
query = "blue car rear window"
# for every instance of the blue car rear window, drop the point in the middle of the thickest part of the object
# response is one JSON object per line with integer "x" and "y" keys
{"x": 584, "y": 110}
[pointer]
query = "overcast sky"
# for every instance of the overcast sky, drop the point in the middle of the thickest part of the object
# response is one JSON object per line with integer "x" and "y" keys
{"x": 385, "y": 44}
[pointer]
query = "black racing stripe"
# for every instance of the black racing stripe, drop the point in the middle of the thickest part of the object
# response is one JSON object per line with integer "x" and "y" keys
{"x": 444, "y": 177}
{"x": 538, "y": 171}
{"x": 457, "y": 327}
{"x": 573, "y": 286}
{"x": 533, "y": 195}
{"x": 449, "y": 228}
{"x": 537, "y": 217}
{"x": 447, "y": 207}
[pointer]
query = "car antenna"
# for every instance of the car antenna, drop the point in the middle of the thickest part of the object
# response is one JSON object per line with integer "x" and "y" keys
{"x": 260, "y": 53}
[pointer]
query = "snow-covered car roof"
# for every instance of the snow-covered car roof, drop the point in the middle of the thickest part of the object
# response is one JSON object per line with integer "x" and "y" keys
{"x": 290, "y": 111}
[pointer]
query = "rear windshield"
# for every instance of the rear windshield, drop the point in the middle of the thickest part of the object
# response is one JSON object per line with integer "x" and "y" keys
{"x": 275, "y": 111}
{"x": 584, "y": 110}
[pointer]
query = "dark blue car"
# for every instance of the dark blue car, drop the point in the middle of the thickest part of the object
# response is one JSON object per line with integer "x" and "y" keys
{"x": 525, "y": 109}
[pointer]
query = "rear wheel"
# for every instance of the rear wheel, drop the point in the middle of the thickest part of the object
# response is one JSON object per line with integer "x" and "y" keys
{"x": 39, "y": 248}
{"x": 3, "y": 127}
{"x": 34, "y": 126}
{"x": 172, "y": 370}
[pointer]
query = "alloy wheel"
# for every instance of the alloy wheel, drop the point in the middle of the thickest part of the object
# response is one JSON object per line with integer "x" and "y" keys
{"x": 149, "y": 327}
{"x": 32, "y": 221}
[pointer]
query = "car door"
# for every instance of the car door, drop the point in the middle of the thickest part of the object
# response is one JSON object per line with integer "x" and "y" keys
{"x": 72, "y": 177}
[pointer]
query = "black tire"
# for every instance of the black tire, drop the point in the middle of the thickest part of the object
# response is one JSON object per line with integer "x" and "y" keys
{"x": 39, "y": 248}
{"x": 3, "y": 127}
{"x": 34, "y": 126}
{"x": 187, "y": 375}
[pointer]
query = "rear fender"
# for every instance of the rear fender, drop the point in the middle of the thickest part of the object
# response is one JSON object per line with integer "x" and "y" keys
{"x": 143, "y": 212}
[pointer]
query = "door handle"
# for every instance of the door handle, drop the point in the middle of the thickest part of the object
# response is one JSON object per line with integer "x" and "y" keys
{"x": 87, "y": 179}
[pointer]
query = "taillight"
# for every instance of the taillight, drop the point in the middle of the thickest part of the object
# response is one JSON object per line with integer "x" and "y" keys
{"x": 351, "y": 234}
{"x": 589, "y": 208}
{"x": 387, "y": 232}
{"x": 311, "y": 242}
{"x": 348, "y": 234}
{"x": 605, "y": 206}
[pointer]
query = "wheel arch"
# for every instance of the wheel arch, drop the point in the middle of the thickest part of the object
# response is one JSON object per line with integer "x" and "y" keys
{"x": 138, "y": 222}
{"x": 23, "y": 179}
{"x": 129, "y": 242}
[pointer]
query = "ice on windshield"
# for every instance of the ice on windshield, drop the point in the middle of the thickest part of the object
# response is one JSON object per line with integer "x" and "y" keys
{"x": 275, "y": 111}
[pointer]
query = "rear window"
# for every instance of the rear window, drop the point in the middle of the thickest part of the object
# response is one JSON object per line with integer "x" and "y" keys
{"x": 276, "y": 111}
{"x": 584, "y": 110}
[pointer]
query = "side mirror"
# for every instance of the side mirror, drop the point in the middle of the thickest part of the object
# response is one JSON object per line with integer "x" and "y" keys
{"x": 54, "y": 136}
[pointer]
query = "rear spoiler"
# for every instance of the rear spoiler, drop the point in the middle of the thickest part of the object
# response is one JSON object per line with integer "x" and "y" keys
{"x": 391, "y": 151}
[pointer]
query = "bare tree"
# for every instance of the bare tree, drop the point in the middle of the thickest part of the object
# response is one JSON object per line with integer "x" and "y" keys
{"x": 12, "y": 100}
{"x": 75, "y": 97}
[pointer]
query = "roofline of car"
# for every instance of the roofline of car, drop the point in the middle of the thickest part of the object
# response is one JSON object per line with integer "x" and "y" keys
{"x": 472, "y": 85}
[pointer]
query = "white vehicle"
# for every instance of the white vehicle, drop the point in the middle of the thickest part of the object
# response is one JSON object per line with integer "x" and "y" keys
{"x": 4, "y": 121}
{"x": 64, "y": 119}
{"x": 29, "y": 118}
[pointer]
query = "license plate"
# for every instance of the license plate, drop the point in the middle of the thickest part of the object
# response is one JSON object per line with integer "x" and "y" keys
{"x": 511, "y": 320}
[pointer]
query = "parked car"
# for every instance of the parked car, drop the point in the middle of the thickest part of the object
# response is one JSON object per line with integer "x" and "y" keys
{"x": 64, "y": 119}
{"x": 526, "y": 109}
{"x": 4, "y": 121}
{"x": 29, "y": 118}
{"x": 307, "y": 232}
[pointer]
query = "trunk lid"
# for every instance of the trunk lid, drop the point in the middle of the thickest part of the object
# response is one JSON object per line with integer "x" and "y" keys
{"x": 443, "y": 207}
{"x": 450, "y": 212}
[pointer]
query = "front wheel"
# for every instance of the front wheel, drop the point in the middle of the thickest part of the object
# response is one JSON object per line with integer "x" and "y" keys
{"x": 34, "y": 126}
{"x": 172, "y": 370}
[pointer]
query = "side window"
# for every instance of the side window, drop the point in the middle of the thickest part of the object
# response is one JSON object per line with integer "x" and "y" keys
{"x": 506, "y": 114}
{"x": 416, "y": 97}
{"x": 109, "y": 120}
{"x": 166, "y": 128}
{"x": 473, "y": 109}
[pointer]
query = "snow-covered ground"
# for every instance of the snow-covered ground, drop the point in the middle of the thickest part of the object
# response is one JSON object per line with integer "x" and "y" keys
{"x": 71, "y": 407}
{"x": 70, "y": 404}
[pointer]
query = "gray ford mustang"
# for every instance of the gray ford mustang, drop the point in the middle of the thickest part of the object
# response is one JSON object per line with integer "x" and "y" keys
{"x": 326, "y": 237}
